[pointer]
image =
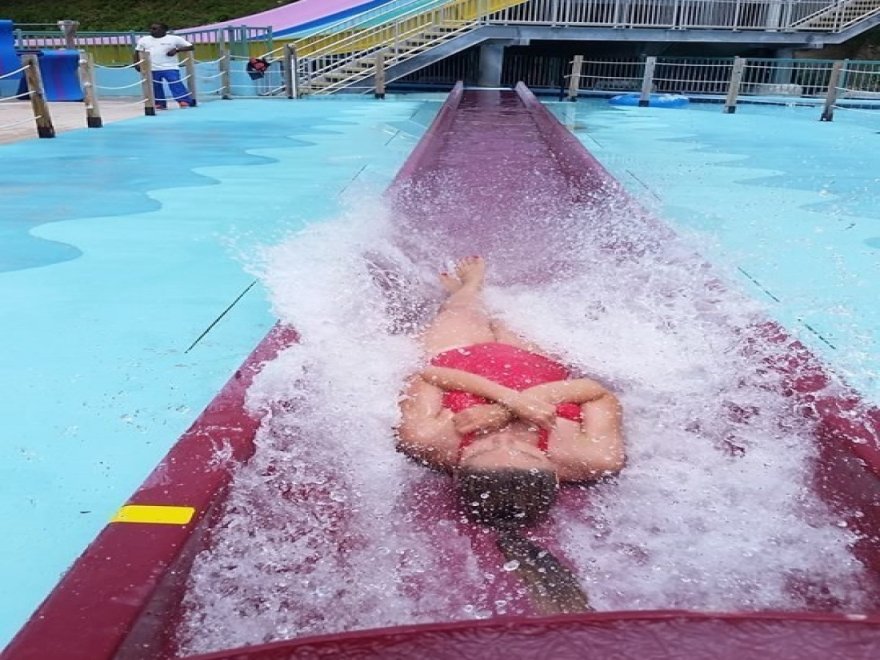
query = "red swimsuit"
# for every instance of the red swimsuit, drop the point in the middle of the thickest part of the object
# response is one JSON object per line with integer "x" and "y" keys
{"x": 506, "y": 365}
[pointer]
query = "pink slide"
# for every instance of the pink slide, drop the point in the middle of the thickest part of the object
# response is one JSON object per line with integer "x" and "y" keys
{"x": 301, "y": 15}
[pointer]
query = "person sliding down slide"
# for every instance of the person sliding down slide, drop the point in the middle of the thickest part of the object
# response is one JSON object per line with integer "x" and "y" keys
{"x": 510, "y": 424}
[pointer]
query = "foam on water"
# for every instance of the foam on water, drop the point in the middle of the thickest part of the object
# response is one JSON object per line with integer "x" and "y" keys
{"x": 713, "y": 511}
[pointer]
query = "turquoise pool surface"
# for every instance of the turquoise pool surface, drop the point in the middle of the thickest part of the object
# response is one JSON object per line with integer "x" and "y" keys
{"x": 121, "y": 247}
{"x": 789, "y": 205}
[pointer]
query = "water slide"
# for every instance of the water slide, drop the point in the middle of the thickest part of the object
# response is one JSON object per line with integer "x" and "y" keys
{"x": 498, "y": 175}
{"x": 306, "y": 15}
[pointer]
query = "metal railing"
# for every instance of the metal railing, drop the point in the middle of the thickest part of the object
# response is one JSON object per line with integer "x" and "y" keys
{"x": 328, "y": 63}
{"x": 116, "y": 48}
{"x": 802, "y": 78}
{"x": 836, "y": 83}
{"x": 766, "y": 15}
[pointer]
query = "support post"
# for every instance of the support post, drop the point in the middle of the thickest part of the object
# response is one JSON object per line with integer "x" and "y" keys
{"x": 225, "y": 82}
{"x": 42, "y": 116}
{"x": 739, "y": 65}
{"x": 574, "y": 80}
{"x": 224, "y": 65}
{"x": 833, "y": 85}
{"x": 647, "y": 82}
{"x": 189, "y": 65}
{"x": 68, "y": 29}
{"x": 491, "y": 64}
{"x": 379, "y": 77}
{"x": 782, "y": 70}
{"x": 146, "y": 70}
{"x": 87, "y": 80}
{"x": 291, "y": 67}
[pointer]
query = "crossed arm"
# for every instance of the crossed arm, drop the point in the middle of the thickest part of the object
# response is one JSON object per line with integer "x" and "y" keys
{"x": 581, "y": 451}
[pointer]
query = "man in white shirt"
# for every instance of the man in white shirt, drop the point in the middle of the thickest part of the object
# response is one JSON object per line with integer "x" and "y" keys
{"x": 163, "y": 49}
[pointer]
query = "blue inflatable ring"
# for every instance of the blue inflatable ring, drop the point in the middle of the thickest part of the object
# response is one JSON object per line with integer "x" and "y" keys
{"x": 654, "y": 100}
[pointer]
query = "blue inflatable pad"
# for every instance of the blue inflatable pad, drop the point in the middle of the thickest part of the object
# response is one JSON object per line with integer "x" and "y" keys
{"x": 9, "y": 61}
{"x": 654, "y": 100}
{"x": 59, "y": 69}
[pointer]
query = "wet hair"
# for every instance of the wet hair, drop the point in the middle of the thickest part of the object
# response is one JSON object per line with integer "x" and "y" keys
{"x": 510, "y": 500}
{"x": 506, "y": 498}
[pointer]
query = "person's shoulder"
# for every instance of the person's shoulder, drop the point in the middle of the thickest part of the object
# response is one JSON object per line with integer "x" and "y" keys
{"x": 145, "y": 39}
{"x": 178, "y": 39}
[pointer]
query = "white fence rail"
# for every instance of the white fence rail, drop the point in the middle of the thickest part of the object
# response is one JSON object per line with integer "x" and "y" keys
{"x": 766, "y": 15}
{"x": 857, "y": 83}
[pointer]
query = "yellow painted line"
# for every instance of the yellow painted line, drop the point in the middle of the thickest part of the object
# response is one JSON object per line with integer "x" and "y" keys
{"x": 154, "y": 514}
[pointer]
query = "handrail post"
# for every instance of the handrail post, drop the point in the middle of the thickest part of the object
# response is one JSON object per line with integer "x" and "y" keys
{"x": 224, "y": 66}
{"x": 739, "y": 65}
{"x": 225, "y": 82}
{"x": 647, "y": 82}
{"x": 68, "y": 29}
{"x": 379, "y": 76}
{"x": 574, "y": 80}
{"x": 831, "y": 97}
{"x": 146, "y": 69}
{"x": 291, "y": 76}
{"x": 189, "y": 65}
{"x": 87, "y": 80}
{"x": 42, "y": 116}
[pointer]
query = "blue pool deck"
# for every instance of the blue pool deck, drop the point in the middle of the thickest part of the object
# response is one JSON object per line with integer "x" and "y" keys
{"x": 788, "y": 205}
{"x": 121, "y": 247}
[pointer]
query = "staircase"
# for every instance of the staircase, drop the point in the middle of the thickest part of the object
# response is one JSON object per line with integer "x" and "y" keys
{"x": 839, "y": 16}
{"x": 346, "y": 60}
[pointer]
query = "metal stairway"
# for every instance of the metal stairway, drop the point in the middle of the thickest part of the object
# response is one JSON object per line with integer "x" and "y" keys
{"x": 347, "y": 59}
{"x": 839, "y": 16}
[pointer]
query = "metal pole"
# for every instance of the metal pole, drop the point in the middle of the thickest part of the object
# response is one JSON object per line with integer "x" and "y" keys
{"x": 225, "y": 83}
{"x": 189, "y": 65}
{"x": 831, "y": 97}
{"x": 87, "y": 80}
{"x": 574, "y": 80}
{"x": 68, "y": 29}
{"x": 739, "y": 65}
{"x": 647, "y": 82}
{"x": 146, "y": 70}
{"x": 287, "y": 69}
{"x": 294, "y": 71}
{"x": 379, "y": 77}
{"x": 223, "y": 65}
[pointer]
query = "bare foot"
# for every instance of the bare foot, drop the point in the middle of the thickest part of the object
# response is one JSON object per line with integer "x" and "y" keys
{"x": 471, "y": 271}
{"x": 450, "y": 282}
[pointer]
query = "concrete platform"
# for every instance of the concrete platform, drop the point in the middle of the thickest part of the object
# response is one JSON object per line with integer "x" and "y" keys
{"x": 16, "y": 117}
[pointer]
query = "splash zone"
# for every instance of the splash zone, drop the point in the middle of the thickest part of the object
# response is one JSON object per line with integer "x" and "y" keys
{"x": 495, "y": 175}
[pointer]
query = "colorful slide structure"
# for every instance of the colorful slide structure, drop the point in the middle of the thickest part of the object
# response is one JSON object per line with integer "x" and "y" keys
{"x": 309, "y": 15}
{"x": 464, "y": 182}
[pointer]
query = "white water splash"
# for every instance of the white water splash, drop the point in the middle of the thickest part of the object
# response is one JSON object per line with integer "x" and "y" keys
{"x": 713, "y": 510}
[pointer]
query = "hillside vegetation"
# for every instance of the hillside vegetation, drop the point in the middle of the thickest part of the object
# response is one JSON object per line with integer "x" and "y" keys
{"x": 124, "y": 15}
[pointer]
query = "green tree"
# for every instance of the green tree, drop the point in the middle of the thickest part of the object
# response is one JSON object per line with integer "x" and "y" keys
{"x": 124, "y": 15}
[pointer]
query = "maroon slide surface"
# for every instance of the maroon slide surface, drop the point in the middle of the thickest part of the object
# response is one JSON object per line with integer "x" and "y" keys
{"x": 492, "y": 162}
